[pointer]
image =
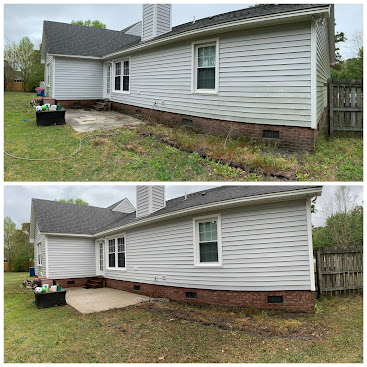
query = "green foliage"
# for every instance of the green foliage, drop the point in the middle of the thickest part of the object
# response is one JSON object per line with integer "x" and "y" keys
{"x": 89, "y": 23}
{"x": 17, "y": 249}
{"x": 341, "y": 229}
{"x": 350, "y": 68}
{"x": 339, "y": 37}
{"x": 73, "y": 201}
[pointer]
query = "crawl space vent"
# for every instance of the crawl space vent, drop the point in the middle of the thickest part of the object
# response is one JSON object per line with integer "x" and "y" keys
{"x": 191, "y": 295}
{"x": 71, "y": 282}
{"x": 137, "y": 287}
{"x": 275, "y": 299}
{"x": 270, "y": 134}
{"x": 186, "y": 122}
{"x": 138, "y": 112}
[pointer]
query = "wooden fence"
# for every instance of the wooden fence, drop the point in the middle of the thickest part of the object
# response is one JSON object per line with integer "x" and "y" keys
{"x": 339, "y": 270}
{"x": 345, "y": 105}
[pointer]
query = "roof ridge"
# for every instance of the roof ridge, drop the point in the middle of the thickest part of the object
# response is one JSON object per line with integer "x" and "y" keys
{"x": 61, "y": 202}
{"x": 79, "y": 25}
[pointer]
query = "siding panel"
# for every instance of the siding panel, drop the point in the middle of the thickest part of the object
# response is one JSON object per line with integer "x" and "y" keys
{"x": 40, "y": 238}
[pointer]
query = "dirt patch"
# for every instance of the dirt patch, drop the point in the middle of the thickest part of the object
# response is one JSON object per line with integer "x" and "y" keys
{"x": 258, "y": 324}
{"x": 206, "y": 154}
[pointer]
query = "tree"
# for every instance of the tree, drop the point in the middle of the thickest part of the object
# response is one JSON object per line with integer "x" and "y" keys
{"x": 350, "y": 68}
{"x": 339, "y": 37}
{"x": 344, "y": 223}
{"x": 9, "y": 236}
{"x": 72, "y": 201}
{"x": 25, "y": 54}
{"x": 89, "y": 23}
{"x": 10, "y": 61}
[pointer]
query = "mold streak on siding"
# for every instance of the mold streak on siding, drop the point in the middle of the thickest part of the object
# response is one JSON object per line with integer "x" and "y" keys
{"x": 71, "y": 257}
{"x": 265, "y": 247}
{"x": 264, "y": 77}
{"x": 78, "y": 79}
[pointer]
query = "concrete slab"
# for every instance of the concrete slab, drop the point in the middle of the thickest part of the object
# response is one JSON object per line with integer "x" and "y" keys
{"x": 101, "y": 299}
{"x": 84, "y": 121}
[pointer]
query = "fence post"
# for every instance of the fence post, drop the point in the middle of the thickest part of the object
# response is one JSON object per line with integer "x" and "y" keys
{"x": 331, "y": 101}
{"x": 319, "y": 273}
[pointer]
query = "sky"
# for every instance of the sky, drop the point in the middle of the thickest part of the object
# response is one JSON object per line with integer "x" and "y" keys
{"x": 17, "y": 198}
{"x": 27, "y": 19}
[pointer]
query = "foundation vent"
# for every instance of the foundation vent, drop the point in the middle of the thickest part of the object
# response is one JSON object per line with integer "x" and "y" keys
{"x": 70, "y": 282}
{"x": 136, "y": 287}
{"x": 275, "y": 299}
{"x": 138, "y": 112}
{"x": 186, "y": 122}
{"x": 191, "y": 295}
{"x": 270, "y": 134}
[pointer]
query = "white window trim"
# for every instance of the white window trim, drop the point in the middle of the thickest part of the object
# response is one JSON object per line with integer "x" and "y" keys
{"x": 122, "y": 76}
{"x": 196, "y": 222}
{"x": 194, "y": 63}
{"x": 39, "y": 252}
{"x": 107, "y": 253}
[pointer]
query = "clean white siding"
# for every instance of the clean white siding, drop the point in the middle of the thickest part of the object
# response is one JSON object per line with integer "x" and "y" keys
{"x": 158, "y": 201}
{"x": 40, "y": 238}
{"x": 148, "y": 17}
{"x": 264, "y": 77}
{"x": 142, "y": 201}
{"x": 124, "y": 207}
{"x": 265, "y": 247}
{"x": 163, "y": 18}
{"x": 135, "y": 30}
{"x": 78, "y": 79}
{"x": 322, "y": 66}
{"x": 71, "y": 257}
{"x": 49, "y": 66}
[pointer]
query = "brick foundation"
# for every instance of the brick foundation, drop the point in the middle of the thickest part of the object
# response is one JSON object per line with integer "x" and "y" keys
{"x": 293, "y": 301}
{"x": 76, "y": 103}
{"x": 292, "y": 138}
{"x": 78, "y": 282}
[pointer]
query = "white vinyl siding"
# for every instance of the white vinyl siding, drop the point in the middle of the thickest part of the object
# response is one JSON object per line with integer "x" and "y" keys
{"x": 71, "y": 257}
{"x": 264, "y": 77}
{"x": 149, "y": 199}
{"x": 322, "y": 66}
{"x": 265, "y": 247}
{"x": 49, "y": 75}
{"x": 148, "y": 16}
{"x": 39, "y": 239}
{"x": 135, "y": 30}
{"x": 124, "y": 207}
{"x": 163, "y": 18}
{"x": 78, "y": 79}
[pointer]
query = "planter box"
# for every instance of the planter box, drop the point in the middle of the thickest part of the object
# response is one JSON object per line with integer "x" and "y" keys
{"x": 51, "y": 299}
{"x": 47, "y": 118}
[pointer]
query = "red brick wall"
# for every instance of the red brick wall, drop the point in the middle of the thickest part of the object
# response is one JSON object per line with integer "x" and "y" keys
{"x": 292, "y": 138}
{"x": 78, "y": 282}
{"x": 80, "y": 103}
{"x": 293, "y": 301}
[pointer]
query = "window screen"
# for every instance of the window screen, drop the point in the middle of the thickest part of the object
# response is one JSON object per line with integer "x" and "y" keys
{"x": 121, "y": 252}
{"x": 118, "y": 76}
{"x": 206, "y": 59}
{"x": 208, "y": 241}
{"x": 126, "y": 76}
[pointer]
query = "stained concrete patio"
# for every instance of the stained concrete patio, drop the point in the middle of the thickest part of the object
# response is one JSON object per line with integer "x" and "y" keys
{"x": 101, "y": 299}
{"x": 84, "y": 121}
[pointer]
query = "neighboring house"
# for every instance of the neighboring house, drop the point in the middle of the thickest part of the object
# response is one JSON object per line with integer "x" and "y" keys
{"x": 259, "y": 72}
{"x": 13, "y": 79}
{"x": 232, "y": 245}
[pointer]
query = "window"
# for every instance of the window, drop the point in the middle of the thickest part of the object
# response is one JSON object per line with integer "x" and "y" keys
{"x": 39, "y": 254}
{"x": 117, "y": 253}
{"x": 208, "y": 247}
{"x": 206, "y": 68}
{"x": 122, "y": 76}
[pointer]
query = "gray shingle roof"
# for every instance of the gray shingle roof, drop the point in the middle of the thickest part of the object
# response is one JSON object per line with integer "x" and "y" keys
{"x": 56, "y": 217}
{"x": 72, "y": 39}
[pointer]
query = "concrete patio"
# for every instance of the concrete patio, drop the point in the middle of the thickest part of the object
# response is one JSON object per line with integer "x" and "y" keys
{"x": 89, "y": 120}
{"x": 101, "y": 299}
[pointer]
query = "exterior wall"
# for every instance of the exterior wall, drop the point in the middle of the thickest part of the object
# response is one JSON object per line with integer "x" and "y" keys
{"x": 142, "y": 201}
{"x": 71, "y": 257}
{"x": 78, "y": 79}
{"x": 293, "y": 301}
{"x": 40, "y": 238}
{"x": 148, "y": 19}
{"x": 49, "y": 87}
{"x": 264, "y": 78}
{"x": 158, "y": 197}
{"x": 322, "y": 66}
{"x": 124, "y": 207}
{"x": 265, "y": 248}
{"x": 135, "y": 30}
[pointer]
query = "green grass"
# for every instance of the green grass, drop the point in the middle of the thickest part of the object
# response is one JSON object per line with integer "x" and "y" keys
{"x": 129, "y": 156}
{"x": 150, "y": 333}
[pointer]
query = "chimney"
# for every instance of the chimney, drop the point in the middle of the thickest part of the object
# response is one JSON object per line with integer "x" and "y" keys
{"x": 149, "y": 199}
{"x": 156, "y": 20}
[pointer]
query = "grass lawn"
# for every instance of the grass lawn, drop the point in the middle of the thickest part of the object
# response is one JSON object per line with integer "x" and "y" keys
{"x": 178, "y": 333}
{"x": 157, "y": 153}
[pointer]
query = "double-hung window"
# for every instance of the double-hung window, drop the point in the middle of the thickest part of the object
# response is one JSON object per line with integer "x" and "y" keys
{"x": 207, "y": 237}
{"x": 117, "y": 252}
{"x": 205, "y": 68}
{"x": 39, "y": 254}
{"x": 122, "y": 76}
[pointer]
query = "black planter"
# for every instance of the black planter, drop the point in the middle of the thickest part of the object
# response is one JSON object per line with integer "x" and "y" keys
{"x": 48, "y": 118}
{"x": 50, "y": 299}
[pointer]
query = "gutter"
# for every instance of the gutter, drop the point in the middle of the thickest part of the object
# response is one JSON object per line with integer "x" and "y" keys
{"x": 258, "y": 199}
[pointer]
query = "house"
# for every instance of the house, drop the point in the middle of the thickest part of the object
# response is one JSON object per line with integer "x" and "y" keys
{"x": 231, "y": 245}
{"x": 13, "y": 79}
{"x": 258, "y": 72}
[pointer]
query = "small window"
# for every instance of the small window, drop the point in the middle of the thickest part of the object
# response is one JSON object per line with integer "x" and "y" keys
{"x": 39, "y": 254}
{"x": 275, "y": 299}
{"x": 117, "y": 252}
{"x": 207, "y": 234}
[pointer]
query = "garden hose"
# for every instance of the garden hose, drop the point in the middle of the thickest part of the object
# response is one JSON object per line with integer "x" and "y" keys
{"x": 59, "y": 158}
